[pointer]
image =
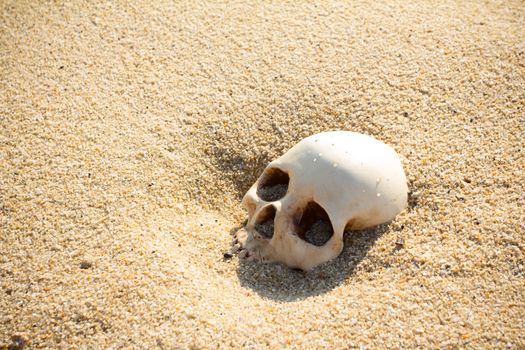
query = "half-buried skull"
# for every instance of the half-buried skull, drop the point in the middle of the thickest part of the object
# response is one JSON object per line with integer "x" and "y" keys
{"x": 304, "y": 201}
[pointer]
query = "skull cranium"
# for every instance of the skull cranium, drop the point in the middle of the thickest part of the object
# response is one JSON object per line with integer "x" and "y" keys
{"x": 304, "y": 201}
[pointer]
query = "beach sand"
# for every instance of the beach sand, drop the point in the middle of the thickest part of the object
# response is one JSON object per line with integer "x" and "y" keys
{"x": 129, "y": 132}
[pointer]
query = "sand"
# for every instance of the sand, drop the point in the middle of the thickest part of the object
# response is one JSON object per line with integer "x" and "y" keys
{"x": 130, "y": 131}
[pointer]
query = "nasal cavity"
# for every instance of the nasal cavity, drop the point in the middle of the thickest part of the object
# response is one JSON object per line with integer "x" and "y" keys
{"x": 273, "y": 184}
{"x": 313, "y": 224}
{"x": 264, "y": 222}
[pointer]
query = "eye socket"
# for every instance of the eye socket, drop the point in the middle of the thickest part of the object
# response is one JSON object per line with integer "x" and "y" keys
{"x": 273, "y": 185}
{"x": 264, "y": 224}
{"x": 313, "y": 224}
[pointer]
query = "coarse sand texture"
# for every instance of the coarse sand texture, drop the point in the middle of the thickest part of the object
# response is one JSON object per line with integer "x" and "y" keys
{"x": 129, "y": 132}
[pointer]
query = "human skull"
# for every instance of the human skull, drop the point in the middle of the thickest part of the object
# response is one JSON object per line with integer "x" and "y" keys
{"x": 303, "y": 202}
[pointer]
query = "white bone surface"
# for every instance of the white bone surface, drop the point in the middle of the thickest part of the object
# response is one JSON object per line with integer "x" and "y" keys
{"x": 356, "y": 179}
